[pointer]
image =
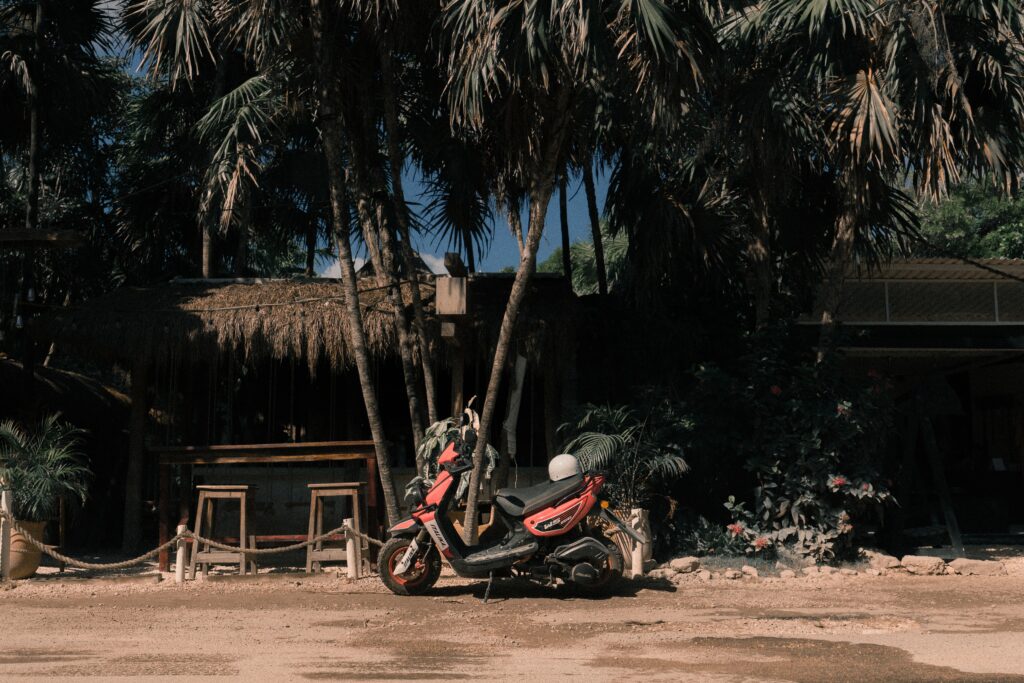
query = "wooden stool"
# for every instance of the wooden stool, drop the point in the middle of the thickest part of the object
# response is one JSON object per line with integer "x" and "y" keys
{"x": 315, "y": 554}
{"x": 206, "y": 556}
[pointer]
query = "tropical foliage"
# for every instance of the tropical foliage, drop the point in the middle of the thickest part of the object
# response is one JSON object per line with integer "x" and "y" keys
{"x": 975, "y": 221}
{"x": 41, "y": 465}
{"x": 811, "y": 436}
{"x": 640, "y": 453}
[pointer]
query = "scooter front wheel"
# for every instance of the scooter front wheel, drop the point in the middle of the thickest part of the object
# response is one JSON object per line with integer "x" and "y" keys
{"x": 419, "y": 578}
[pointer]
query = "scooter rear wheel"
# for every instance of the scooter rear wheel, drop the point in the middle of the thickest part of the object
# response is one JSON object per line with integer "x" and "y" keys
{"x": 610, "y": 573}
{"x": 421, "y": 576}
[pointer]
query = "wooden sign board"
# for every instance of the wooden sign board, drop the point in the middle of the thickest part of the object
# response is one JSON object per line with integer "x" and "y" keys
{"x": 451, "y": 295}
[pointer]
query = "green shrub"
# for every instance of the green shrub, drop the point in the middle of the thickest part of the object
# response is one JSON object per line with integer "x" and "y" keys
{"x": 41, "y": 466}
{"x": 639, "y": 449}
{"x": 812, "y": 435}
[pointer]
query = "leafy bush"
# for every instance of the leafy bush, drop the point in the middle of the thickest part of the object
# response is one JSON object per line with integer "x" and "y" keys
{"x": 812, "y": 438}
{"x": 639, "y": 449}
{"x": 435, "y": 439}
{"x": 40, "y": 467}
{"x": 696, "y": 535}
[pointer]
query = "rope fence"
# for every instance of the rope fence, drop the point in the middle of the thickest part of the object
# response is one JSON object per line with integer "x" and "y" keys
{"x": 185, "y": 535}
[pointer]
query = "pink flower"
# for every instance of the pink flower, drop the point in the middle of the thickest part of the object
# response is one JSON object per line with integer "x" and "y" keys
{"x": 865, "y": 486}
{"x": 761, "y": 543}
{"x": 837, "y": 481}
{"x": 776, "y": 390}
{"x": 736, "y": 528}
{"x": 842, "y": 409}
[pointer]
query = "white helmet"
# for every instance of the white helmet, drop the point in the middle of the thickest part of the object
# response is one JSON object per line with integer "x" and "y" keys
{"x": 563, "y": 466}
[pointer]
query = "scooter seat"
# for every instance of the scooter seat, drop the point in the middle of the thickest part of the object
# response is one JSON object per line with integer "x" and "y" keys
{"x": 527, "y": 500}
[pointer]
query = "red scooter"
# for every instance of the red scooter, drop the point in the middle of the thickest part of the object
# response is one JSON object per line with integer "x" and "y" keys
{"x": 549, "y": 532}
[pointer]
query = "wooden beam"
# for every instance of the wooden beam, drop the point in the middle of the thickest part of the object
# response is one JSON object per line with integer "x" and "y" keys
{"x": 55, "y": 239}
{"x": 941, "y": 487}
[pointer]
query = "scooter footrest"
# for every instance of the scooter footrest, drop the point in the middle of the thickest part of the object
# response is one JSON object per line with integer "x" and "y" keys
{"x": 499, "y": 553}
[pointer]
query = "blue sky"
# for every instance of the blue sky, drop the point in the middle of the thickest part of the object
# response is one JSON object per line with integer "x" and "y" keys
{"x": 503, "y": 251}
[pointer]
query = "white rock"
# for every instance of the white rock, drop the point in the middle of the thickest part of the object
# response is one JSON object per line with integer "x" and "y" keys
{"x": 732, "y": 574}
{"x": 881, "y": 561}
{"x": 749, "y": 571}
{"x": 685, "y": 565}
{"x": 704, "y": 575}
{"x": 923, "y": 564}
{"x": 964, "y": 566}
{"x": 825, "y": 570}
{"x": 661, "y": 574}
{"x": 871, "y": 571}
{"x": 787, "y": 574}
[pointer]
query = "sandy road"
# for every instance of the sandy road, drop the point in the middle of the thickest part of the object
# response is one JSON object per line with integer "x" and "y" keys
{"x": 292, "y": 627}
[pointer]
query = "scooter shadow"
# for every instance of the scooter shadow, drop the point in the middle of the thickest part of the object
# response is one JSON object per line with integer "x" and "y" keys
{"x": 505, "y": 589}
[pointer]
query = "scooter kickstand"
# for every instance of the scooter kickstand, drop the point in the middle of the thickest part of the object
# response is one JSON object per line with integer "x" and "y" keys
{"x": 487, "y": 591}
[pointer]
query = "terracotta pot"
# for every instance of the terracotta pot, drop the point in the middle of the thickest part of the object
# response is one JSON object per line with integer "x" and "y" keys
{"x": 25, "y": 557}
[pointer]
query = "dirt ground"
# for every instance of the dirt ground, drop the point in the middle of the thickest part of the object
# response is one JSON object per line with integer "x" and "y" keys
{"x": 287, "y": 626}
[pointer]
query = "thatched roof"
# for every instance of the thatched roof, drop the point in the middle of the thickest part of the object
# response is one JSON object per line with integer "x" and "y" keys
{"x": 197, "y": 318}
{"x": 257, "y": 319}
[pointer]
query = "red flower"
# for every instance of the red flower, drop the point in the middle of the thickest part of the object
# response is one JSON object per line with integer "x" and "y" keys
{"x": 837, "y": 481}
{"x": 761, "y": 543}
{"x": 865, "y": 486}
{"x": 735, "y": 528}
{"x": 776, "y": 390}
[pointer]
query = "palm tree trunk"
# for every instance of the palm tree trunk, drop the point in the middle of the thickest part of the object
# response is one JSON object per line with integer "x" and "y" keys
{"x": 542, "y": 184}
{"x": 380, "y": 245}
{"x": 839, "y": 262}
{"x": 242, "y": 252}
{"x": 467, "y": 242}
{"x": 515, "y": 224}
{"x": 32, "y": 205}
{"x": 595, "y": 228}
{"x": 563, "y": 219}
{"x": 333, "y": 153}
{"x": 759, "y": 253}
{"x": 207, "y": 265}
{"x": 509, "y": 446}
{"x": 538, "y": 211}
{"x": 132, "y": 530}
{"x": 311, "y": 248}
{"x": 402, "y": 214}
{"x": 206, "y": 222}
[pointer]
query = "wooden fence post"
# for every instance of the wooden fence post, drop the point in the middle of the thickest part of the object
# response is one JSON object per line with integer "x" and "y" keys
{"x": 638, "y": 519}
{"x": 352, "y": 547}
{"x": 5, "y": 535}
{"x": 179, "y": 558}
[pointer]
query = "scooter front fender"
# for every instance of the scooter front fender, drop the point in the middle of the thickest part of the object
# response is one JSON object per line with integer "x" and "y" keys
{"x": 409, "y": 526}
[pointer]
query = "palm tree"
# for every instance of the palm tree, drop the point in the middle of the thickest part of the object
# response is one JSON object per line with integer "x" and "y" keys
{"x": 930, "y": 91}
{"x": 53, "y": 82}
{"x": 186, "y": 41}
{"x": 519, "y": 69}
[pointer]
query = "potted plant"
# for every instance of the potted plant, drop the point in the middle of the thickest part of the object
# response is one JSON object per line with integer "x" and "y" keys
{"x": 39, "y": 467}
{"x": 639, "y": 450}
